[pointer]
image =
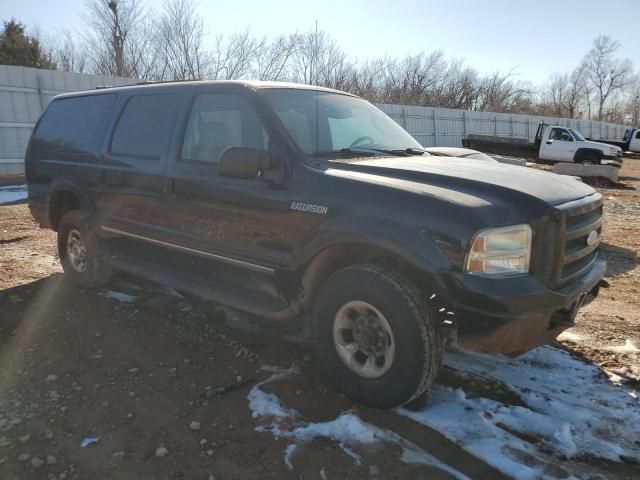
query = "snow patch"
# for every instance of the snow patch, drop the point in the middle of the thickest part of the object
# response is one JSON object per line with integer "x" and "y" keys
{"x": 570, "y": 336}
{"x": 119, "y": 296}
{"x": 571, "y": 409}
{"x": 348, "y": 430}
{"x": 628, "y": 347}
{"x": 13, "y": 194}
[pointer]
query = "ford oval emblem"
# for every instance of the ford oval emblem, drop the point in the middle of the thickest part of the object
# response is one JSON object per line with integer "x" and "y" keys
{"x": 592, "y": 238}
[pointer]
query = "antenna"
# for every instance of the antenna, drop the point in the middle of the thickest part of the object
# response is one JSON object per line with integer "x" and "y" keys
{"x": 315, "y": 56}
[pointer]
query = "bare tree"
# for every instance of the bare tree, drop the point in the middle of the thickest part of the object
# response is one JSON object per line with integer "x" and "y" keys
{"x": 273, "y": 60}
{"x": 317, "y": 59}
{"x": 68, "y": 54}
{"x": 499, "y": 92}
{"x": 565, "y": 94}
{"x": 234, "y": 57}
{"x": 118, "y": 37}
{"x": 179, "y": 42}
{"x": 633, "y": 100}
{"x": 606, "y": 74}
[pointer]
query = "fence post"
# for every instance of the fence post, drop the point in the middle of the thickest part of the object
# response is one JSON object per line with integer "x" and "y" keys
{"x": 435, "y": 137}
{"x": 495, "y": 125}
{"x": 404, "y": 117}
{"x": 40, "y": 92}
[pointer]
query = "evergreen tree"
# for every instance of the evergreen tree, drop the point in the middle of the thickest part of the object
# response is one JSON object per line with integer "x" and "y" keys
{"x": 18, "y": 48}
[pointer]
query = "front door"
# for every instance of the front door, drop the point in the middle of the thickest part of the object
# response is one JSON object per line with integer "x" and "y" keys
{"x": 242, "y": 224}
{"x": 560, "y": 146}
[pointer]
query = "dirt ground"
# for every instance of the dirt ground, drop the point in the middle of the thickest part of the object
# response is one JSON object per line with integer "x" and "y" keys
{"x": 173, "y": 372}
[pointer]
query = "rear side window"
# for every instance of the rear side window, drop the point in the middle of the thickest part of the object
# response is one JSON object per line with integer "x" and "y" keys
{"x": 638, "y": 134}
{"x": 143, "y": 126}
{"x": 75, "y": 124}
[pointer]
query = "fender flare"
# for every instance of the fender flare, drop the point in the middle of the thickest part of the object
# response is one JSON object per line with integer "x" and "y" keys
{"x": 59, "y": 186}
{"x": 581, "y": 152}
{"x": 412, "y": 245}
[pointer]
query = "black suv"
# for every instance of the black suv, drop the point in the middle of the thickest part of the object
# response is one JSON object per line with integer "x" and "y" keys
{"x": 283, "y": 199}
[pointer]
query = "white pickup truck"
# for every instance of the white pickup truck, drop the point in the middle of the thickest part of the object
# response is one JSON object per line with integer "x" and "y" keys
{"x": 630, "y": 142}
{"x": 553, "y": 143}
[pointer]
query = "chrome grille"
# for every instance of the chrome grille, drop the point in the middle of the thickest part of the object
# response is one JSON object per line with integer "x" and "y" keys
{"x": 580, "y": 219}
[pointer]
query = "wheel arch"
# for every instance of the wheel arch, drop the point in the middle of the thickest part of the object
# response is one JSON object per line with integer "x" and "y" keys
{"x": 65, "y": 196}
{"x": 420, "y": 269}
{"x": 583, "y": 153}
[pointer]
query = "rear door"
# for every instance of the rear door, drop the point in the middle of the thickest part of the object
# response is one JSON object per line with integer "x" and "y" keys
{"x": 132, "y": 198}
{"x": 559, "y": 146}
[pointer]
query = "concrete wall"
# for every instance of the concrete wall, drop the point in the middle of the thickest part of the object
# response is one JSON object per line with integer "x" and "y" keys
{"x": 25, "y": 92}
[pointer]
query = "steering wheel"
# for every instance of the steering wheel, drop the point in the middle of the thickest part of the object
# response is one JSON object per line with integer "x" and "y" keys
{"x": 359, "y": 140}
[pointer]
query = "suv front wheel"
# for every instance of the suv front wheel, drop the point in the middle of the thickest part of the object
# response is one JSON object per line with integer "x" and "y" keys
{"x": 80, "y": 251}
{"x": 376, "y": 336}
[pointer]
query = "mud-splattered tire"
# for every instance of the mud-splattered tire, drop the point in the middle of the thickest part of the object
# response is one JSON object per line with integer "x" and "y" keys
{"x": 416, "y": 355}
{"x": 81, "y": 252}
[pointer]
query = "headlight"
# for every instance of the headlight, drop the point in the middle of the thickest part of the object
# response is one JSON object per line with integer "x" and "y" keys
{"x": 613, "y": 152}
{"x": 500, "y": 251}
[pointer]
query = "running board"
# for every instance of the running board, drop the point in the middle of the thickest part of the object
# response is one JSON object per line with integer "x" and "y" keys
{"x": 257, "y": 303}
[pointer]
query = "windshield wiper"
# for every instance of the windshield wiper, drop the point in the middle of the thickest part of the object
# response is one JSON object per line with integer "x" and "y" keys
{"x": 406, "y": 151}
{"x": 368, "y": 152}
{"x": 371, "y": 152}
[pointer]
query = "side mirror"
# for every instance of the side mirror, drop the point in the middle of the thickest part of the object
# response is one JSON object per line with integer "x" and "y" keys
{"x": 243, "y": 162}
{"x": 549, "y": 142}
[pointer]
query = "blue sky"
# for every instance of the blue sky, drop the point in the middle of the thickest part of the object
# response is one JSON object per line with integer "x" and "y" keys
{"x": 533, "y": 37}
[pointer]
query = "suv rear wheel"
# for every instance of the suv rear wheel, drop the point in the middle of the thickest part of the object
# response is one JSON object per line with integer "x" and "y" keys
{"x": 375, "y": 335}
{"x": 80, "y": 251}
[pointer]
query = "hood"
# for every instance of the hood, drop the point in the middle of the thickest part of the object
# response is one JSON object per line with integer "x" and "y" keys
{"x": 599, "y": 145}
{"x": 439, "y": 176}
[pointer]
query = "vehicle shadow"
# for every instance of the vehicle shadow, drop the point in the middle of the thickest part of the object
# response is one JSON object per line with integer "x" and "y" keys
{"x": 135, "y": 373}
{"x": 619, "y": 260}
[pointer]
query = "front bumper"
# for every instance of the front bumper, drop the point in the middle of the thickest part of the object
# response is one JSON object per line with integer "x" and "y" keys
{"x": 614, "y": 161}
{"x": 513, "y": 315}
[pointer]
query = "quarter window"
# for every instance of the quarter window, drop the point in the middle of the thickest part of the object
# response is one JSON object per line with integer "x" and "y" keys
{"x": 218, "y": 121}
{"x": 75, "y": 124}
{"x": 638, "y": 134}
{"x": 143, "y": 126}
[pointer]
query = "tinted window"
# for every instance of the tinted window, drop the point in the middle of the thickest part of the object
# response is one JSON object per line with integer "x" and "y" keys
{"x": 638, "y": 134}
{"x": 218, "y": 121}
{"x": 143, "y": 126}
{"x": 75, "y": 124}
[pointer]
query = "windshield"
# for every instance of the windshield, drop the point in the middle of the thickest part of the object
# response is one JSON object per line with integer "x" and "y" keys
{"x": 577, "y": 135}
{"x": 322, "y": 122}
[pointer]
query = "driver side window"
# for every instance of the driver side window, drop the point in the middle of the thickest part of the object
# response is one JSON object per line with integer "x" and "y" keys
{"x": 218, "y": 121}
{"x": 560, "y": 134}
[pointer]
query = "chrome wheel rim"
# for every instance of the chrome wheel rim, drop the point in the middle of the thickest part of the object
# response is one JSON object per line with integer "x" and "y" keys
{"x": 363, "y": 339}
{"x": 76, "y": 251}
